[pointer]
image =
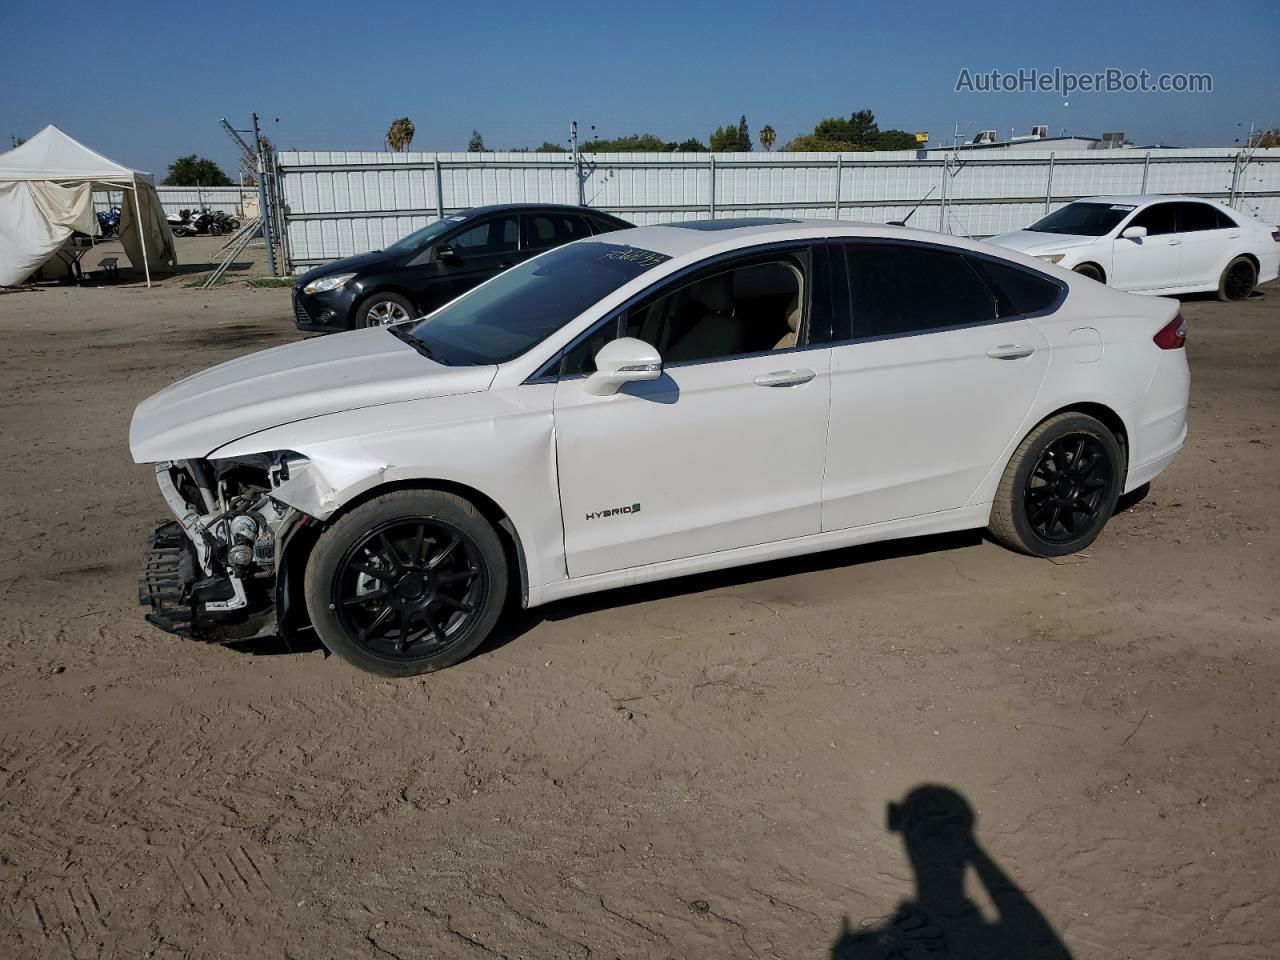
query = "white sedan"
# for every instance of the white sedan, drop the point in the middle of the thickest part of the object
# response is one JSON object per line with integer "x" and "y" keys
{"x": 657, "y": 402}
{"x": 1156, "y": 244}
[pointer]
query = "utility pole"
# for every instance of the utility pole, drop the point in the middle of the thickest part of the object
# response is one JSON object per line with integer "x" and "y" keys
{"x": 577, "y": 163}
{"x": 262, "y": 199}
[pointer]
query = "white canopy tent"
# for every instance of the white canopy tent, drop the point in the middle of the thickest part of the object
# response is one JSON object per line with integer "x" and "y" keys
{"x": 46, "y": 194}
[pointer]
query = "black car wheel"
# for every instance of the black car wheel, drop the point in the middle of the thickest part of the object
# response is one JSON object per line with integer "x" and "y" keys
{"x": 1060, "y": 487}
{"x": 382, "y": 309}
{"x": 406, "y": 583}
{"x": 1238, "y": 280}
{"x": 1091, "y": 271}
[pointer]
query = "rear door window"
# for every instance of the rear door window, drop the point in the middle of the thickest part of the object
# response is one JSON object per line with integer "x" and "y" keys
{"x": 902, "y": 289}
{"x": 1018, "y": 292}
{"x": 1193, "y": 217}
{"x": 545, "y": 230}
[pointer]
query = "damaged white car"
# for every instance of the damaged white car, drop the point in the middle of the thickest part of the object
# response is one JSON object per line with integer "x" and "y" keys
{"x": 662, "y": 401}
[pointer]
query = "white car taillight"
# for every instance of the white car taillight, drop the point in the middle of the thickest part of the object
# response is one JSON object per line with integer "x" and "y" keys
{"x": 1173, "y": 335}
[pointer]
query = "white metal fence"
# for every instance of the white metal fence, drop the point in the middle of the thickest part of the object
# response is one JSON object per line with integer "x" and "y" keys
{"x": 339, "y": 204}
{"x": 228, "y": 199}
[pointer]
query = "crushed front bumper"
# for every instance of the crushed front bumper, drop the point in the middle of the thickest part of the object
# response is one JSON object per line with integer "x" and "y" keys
{"x": 184, "y": 601}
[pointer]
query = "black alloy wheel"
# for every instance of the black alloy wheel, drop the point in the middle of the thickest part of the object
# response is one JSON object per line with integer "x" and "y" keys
{"x": 407, "y": 582}
{"x": 1060, "y": 487}
{"x": 409, "y": 588}
{"x": 1068, "y": 487}
{"x": 1238, "y": 280}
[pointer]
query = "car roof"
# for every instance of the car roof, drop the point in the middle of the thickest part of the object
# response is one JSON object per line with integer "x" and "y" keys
{"x": 533, "y": 208}
{"x": 696, "y": 236}
{"x": 1142, "y": 199}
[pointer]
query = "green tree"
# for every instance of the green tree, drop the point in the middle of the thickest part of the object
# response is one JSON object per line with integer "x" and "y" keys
{"x": 767, "y": 137}
{"x": 859, "y": 132}
{"x": 547, "y": 147}
{"x": 400, "y": 134}
{"x": 193, "y": 171}
{"x": 692, "y": 145}
{"x": 476, "y": 143}
{"x": 634, "y": 143}
{"x": 732, "y": 138}
{"x": 1265, "y": 138}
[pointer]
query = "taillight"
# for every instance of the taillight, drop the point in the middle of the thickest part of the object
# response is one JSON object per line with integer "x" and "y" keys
{"x": 1173, "y": 335}
{"x": 1275, "y": 235}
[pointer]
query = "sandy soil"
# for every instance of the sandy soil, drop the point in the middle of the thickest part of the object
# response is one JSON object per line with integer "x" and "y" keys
{"x": 696, "y": 769}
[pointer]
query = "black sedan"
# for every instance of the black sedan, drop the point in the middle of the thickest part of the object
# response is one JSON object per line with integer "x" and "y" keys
{"x": 434, "y": 265}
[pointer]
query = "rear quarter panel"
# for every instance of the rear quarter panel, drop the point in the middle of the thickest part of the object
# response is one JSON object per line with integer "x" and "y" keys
{"x": 1101, "y": 352}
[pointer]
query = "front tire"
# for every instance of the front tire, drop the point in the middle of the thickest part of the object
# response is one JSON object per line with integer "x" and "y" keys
{"x": 1238, "y": 280}
{"x": 1090, "y": 271}
{"x": 1060, "y": 487}
{"x": 406, "y": 583}
{"x": 383, "y": 309}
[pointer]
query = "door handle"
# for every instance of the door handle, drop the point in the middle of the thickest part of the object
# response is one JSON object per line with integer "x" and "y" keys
{"x": 785, "y": 378}
{"x": 1010, "y": 351}
{"x": 1175, "y": 243}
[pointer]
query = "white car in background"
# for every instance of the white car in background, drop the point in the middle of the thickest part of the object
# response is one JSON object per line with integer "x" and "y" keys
{"x": 645, "y": 404}
{"x": 1156, "y": 244}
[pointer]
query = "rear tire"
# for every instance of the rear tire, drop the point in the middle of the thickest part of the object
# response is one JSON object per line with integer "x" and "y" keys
{"x": 1238, "y": 280}
{"x": 406, "y": 583}
{"x": 1090, "y": 271}
{"x": 383, "y": 309}
{"x": 1060, "y": 487}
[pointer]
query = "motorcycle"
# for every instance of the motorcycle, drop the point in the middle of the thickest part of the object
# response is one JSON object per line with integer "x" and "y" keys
{"x": 212, "y": 222}
{"x": 109, "y": 223}
{"x": 222, "y": 222}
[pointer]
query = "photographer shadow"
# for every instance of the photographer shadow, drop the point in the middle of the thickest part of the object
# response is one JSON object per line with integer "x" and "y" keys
{"x": 941, "y": 923}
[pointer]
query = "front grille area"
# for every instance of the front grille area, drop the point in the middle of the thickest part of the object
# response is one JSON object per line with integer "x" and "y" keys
{"x": 168, "y": 567}
{"x": 300, "y": 312}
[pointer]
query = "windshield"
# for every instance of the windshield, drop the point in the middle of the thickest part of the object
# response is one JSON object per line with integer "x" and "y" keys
{"x": 1084, "y": 219}
{"x": 420, "y": 238}
{"x": 517, "y": 310}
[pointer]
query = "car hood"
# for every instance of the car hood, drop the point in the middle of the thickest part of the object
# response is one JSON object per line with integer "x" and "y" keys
{"x": 347, "y": 265}
{"x": 345, "y": 371}
{"x": 1034, "y": 243}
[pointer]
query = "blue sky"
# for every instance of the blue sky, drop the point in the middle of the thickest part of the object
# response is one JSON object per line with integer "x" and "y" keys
{"x": 149, "y": 84}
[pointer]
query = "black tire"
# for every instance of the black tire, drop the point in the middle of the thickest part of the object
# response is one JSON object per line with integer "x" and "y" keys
{"x": 1238, "y": 280}
{"x": 1056, "y": 496}
{"x": 391, "y": 306}
{"x": 396, "y": 602}
{"x": 215, "y": 230}
{"x": 1091, "y": 271}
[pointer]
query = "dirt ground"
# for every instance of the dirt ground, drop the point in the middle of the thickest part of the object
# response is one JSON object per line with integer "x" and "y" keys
{"x": 701, "y": 768}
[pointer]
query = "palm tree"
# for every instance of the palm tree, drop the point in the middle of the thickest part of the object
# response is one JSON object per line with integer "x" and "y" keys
{"x": 400, "y": 134}
{"x": 767, "y": 137}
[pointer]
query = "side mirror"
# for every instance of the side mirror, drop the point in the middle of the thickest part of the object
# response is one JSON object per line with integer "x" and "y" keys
{"x": 447, "y": 254}
{"x": 1134, "y": 233}
{"x": 626, "y": 360}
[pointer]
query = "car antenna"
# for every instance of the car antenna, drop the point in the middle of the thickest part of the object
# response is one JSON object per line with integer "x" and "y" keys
{"x": 903, "y": 221}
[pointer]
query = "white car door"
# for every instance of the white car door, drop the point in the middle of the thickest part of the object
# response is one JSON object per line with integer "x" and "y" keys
{"x": 1151, "y": 262}
{"x": 932, "y": 382}
{"x": 1207, "y": 238}
{"x": 726, "y": 449}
